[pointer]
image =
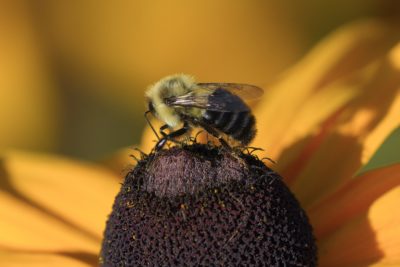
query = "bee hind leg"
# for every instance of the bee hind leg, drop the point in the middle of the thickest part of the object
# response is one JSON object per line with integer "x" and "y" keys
{"x": 215, "y": 133}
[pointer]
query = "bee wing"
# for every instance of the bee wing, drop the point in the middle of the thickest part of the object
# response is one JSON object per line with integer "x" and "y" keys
{"x": 217, "y": 99}
{"x": 244, "y": 91}
{"x": 188, "y": 100}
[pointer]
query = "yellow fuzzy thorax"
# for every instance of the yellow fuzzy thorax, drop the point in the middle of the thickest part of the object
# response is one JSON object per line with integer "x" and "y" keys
{"x": 174, "y": 85}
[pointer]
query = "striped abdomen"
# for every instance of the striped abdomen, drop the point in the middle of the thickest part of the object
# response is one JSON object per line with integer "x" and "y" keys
{"x": 239, "y": 125}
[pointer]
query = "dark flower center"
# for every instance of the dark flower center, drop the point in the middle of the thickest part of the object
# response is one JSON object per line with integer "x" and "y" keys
{"x": 199, "y": 206}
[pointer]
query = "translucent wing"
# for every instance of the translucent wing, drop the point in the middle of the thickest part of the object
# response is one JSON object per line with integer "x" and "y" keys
{"x": 225, "y": 97}
{"x": 244, "y": 91}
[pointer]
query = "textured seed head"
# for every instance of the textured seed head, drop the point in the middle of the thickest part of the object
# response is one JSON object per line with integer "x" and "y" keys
{"x": 199, "y": 206}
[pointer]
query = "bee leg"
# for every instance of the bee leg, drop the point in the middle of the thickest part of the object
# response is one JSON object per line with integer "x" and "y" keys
{"x": 161, "y": 143}
{"x": 162, "y": 128}
{"x": 171, "y": 135}
{"x": 215, "y": 133}
{"x": 224, "y": 143}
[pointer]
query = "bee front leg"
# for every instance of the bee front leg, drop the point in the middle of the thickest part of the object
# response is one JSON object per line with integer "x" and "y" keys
{"x": 162, "y": 128}
{"x": 162, "y": 141}
{"x": 160, "y": 144}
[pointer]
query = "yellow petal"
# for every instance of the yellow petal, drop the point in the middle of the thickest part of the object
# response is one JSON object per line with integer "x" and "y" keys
{"x": 350, "y": 203}
{"x": 26, "y": 226}
{"x": 385, "y": 264}
{"x": 53, "y": 202}
{"x": 316, "y": 123}
{"x": 339, "y": 154}
{"x": 384, "y": 220}
{"x": 371, "y": 237}
{"x": 353, "y": 199}
{"x": 49, "y": 259}
{"x": 316, "y": 88}
{"x": 378, "y": 135}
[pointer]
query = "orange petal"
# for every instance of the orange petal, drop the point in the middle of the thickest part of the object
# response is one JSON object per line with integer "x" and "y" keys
{"x": 384, "y": 220}
{"x": 384, "y": 263}
{"x": 319, "y": 144}
{"x": 378, "y": 135}
{"x": 352, "y": 199}
{"x": 27, "y": 226}
{"x": 50, "y": 259}
{"x": 321, "y": 162}
{"x": 340, "y": 153}
{"x": 310, "y": 93}
{"x": 54, "y": 203}
{"x": 371, "y": 237}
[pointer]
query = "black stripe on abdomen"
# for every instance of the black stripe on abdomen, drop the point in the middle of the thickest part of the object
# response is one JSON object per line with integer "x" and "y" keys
{"x": 239, "y": 125}
{"x": 247, "y": 129}
{"x": 235, "y": 123}
{"x": 223, "y": 119}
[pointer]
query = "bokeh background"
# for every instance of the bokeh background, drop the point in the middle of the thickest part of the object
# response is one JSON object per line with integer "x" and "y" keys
{"x": 73, "y": 73}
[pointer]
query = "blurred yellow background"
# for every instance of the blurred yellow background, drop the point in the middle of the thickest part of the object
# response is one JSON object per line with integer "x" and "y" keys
{"x": 73, "y": 73}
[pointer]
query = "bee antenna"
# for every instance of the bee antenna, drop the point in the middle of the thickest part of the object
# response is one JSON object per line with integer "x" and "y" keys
{"x": 149, "y": 123}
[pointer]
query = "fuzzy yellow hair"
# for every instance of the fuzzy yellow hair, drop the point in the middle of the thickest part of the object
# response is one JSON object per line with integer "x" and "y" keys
{"x": 174, "y": 85}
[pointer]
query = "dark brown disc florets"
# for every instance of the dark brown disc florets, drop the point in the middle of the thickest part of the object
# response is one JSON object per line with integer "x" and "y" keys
{"x": 199, "y": 206}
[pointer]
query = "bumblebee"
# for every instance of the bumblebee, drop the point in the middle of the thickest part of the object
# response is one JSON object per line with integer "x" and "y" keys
{"x": 218, "y": 108}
